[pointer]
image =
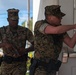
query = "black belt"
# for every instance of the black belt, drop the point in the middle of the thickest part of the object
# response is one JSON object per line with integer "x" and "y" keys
{"x": 51, "y": 65}
{"x": 9, "y": 59}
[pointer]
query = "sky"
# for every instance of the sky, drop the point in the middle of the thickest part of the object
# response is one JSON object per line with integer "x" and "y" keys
{"x": 21, "y": 5}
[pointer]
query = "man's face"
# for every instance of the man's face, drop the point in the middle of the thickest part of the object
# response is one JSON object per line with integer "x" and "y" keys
{"x": 13, "y": 23}
{"x": 56, "y": 21}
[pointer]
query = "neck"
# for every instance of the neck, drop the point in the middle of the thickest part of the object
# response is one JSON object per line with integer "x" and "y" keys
{"x": 13, "y": 29}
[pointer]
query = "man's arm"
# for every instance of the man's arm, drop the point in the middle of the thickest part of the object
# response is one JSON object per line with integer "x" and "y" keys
{"x": 70, "y": 41}
{"x": 48, "y": 29}
{"x": 8, "y": 46}
{"x": 29, "y": 49}
{"x": 59, "y": 29}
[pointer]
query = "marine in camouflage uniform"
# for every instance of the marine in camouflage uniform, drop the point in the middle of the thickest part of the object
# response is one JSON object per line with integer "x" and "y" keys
{"x": 47, "y": 46}
{"x": 14, "y": 60}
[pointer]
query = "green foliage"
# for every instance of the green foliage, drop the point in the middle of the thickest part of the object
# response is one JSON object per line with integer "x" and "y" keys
{"x": 24, "y": 24}
{"x": 27, "y": 73}
{"x": 31, "y": 24}
{"x": 28, "y": 63}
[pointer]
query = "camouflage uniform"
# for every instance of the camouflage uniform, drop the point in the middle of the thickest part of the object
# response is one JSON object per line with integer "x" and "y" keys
{"x": 47, "y": 46}
{"x": 18, "y": 39}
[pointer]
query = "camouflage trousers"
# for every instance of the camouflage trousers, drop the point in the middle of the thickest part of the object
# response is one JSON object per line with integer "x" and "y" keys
{"x": 15, "y": 68}
{"x": 41, "y": 71}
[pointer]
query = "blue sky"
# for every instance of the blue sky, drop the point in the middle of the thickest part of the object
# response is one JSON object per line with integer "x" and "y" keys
{"x": 21, "y": 5}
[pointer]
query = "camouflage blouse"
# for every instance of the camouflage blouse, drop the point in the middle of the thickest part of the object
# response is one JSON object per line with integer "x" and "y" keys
{"x": 17, "y": 39}
{"x": 47, "y": 45}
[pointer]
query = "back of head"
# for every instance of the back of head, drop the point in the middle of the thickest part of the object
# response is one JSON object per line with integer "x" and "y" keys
{"x": 13, "y": 14}
{"x": 54, "y": 10}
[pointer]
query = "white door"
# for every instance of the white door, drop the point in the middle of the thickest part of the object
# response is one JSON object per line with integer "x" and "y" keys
{"x": 68, "y": 66}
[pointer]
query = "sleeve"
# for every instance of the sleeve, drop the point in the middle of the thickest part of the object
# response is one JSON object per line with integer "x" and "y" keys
{"x": 42, "y": 28}
{"x": 30, "y": 36}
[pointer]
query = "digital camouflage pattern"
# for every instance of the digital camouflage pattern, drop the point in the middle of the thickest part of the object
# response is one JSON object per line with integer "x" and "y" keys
{"x": 54, "y": 10}
{"x": 18, "y": 40}
{"x": 47, "y": 46}
{"x": 41, "y": 71}
{"x": 13, "y": 14}
{"x": 16, "y": 68}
